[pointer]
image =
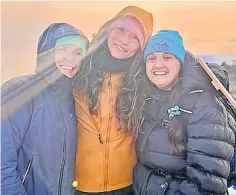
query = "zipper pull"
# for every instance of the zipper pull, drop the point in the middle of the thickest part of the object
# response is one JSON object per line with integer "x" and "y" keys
{"x": 100, "y": 138}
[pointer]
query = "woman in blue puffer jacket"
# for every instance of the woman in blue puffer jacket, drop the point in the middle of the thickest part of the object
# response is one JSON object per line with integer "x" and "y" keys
{"x": 185, "y": 144}
{"x": 38, "y": 126}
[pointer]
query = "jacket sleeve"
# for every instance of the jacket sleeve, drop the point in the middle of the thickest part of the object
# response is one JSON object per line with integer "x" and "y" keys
{"x": 210, "y": 141}
{"x": 15, "y": 120}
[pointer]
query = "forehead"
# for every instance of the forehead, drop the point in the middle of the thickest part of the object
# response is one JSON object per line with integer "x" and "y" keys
{"x": 124, "y": 30}
{"x": 160, "y": 54}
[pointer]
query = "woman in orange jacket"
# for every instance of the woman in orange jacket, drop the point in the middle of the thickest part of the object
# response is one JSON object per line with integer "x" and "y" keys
{"x": 105, "y": 89}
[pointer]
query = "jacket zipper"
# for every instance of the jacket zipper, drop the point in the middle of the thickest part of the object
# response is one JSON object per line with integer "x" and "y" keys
{"x": 63, "y": 152}
{"x": 107, "y": 137}
{"x": 27, "y": 169}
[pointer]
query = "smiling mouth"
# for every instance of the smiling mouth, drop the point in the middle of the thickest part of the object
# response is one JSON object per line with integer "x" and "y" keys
{"x": 67, "y": 67}
{"x": 159, "y": 73}
{"x": 120, "y": 48}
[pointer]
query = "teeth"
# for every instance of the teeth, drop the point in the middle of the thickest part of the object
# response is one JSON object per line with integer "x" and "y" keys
{"x": 160, "y": 73}
{"x": 120, "y": 48}
{"x": 67, "y": 67}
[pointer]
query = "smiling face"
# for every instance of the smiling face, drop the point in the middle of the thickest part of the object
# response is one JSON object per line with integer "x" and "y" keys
{"x": 67, "y": 59}
{"x": 163, "y": 69}
{"x": 122, "y": 43}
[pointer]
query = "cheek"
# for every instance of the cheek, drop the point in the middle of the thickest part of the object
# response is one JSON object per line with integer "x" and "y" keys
{"x": 135, "y": 49}
{"x": 148, "y": 70}
{"x": 77, "y": 59}
{"x": 175, "y": 71}
{"x": 109, "y": 43}
{"x": 111, "y": 37}
{"x": 78, "y": 63}
{"x": 134, "y": 46}
{"x": 58, "y": 58}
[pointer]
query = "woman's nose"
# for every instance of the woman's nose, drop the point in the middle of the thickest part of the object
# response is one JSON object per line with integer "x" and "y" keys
{"x": 124, "y": 39}
{"x": 158, "y": 63}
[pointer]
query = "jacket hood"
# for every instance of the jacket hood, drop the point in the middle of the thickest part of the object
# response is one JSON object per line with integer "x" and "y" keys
{"x": 56, "y": 30}
{"x": 46, "y": 68}
{"x": 194, "y": 76}
{"x": 47, "y": 41}
{"x": 144, "y": 17}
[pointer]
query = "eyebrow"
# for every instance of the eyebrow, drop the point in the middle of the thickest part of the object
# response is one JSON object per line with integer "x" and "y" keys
{"x": 150, "y": 56}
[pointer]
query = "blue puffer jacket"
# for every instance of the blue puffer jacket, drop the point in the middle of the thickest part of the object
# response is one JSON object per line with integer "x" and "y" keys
{"x": 208, "y": 139}
{"x": 39, "y": 134}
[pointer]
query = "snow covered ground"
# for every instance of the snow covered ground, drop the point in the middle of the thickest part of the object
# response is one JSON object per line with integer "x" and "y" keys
{"x": 232, "y": 191}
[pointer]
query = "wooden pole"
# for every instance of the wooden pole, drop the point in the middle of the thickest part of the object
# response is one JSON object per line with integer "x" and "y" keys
{"x": 216, "y": 83}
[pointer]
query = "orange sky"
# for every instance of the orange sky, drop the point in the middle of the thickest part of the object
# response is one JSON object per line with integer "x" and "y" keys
{"x": 206, "y": 27}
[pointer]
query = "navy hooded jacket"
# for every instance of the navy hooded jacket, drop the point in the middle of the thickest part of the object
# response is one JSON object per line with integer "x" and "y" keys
{"x": 39, "y": 134}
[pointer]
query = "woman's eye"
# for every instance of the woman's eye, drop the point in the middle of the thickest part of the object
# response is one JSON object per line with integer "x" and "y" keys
{"x": 151, "y": 58}
{"x": 78, "y": 53}
{"x": 134, "y": 37}
{"x": 167, "y": 58}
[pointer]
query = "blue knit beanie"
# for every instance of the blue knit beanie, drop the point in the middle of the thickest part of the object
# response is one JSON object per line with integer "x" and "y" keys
{"x": 168, "y": 41}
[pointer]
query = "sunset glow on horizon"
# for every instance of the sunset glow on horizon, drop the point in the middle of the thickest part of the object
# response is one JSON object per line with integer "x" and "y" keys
{"x": 207, "y": 27}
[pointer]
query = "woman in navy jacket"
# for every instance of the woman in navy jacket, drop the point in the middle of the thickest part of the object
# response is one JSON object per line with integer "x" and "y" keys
{"x": 38, "y": 126}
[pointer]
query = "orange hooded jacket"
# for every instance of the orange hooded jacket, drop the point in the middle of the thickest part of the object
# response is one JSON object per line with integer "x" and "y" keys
{"x": 105, "y": 152}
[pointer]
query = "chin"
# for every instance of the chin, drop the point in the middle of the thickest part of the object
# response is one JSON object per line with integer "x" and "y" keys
{"x": 119, "y": 57}
{"x": 69, "y": 76}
